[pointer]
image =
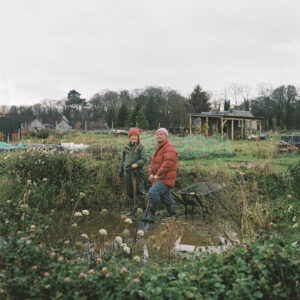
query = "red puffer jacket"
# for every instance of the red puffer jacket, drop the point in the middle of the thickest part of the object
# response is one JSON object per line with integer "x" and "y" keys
{"x": 164, "y": 163}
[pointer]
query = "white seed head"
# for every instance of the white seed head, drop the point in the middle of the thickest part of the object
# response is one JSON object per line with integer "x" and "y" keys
{"x": 137, "y": 258}
{"x": 140, "y": 232}
{"x": 103, "y": 231}
{"x": 126, "y": 250}
{"x": 118, "y": 240}
{"x": 128, "y": 220}
{"x": 85, "y": 212}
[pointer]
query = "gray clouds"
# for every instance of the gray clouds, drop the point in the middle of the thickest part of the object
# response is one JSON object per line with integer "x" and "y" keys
{"x": 49, "y": 47}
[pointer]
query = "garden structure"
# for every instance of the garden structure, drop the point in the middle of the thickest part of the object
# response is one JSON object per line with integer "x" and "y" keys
{"x": 233, "y": 124}
{"x": 9, "y": 129}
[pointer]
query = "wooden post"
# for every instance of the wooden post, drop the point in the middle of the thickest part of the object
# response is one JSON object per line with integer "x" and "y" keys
{"x": 250, "y": 129}
{"x": 222, "y": 125}
{"x": 190, "y": 125}
{"x": 206, "y": 132}
{"x": 200, "y": 126}
{"x": 232, "y": 130}
{"x": 242, "y": 129}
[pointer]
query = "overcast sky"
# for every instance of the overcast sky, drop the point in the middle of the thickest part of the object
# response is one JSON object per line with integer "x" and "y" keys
{"x": 48, "y": 47}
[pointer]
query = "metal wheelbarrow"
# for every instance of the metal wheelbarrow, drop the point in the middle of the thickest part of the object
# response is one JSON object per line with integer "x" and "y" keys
{"x": 196, "y": 196}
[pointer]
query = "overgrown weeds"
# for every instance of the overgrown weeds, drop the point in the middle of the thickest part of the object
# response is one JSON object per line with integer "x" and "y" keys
{"x": 262, "y": 207}
{"x": 59, "y": 180}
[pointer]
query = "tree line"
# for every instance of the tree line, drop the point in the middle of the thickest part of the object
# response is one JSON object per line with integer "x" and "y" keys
{"x": 157, "y": 106}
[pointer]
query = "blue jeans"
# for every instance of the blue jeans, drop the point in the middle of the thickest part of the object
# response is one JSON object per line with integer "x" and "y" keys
{"x": 160, "y": 191}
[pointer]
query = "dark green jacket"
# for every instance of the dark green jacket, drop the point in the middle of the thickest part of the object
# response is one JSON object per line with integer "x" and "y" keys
{"x": 132, "y": 154}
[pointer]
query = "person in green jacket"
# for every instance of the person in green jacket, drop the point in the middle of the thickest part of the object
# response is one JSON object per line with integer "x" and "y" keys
{"x": 134, "y": 157}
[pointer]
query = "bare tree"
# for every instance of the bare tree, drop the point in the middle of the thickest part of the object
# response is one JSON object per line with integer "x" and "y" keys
{"x": 216, "y": 100}
{"x": 235, "y": 92}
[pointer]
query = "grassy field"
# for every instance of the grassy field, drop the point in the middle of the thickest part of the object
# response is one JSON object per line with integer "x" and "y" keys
{"x": 202, "y": 150}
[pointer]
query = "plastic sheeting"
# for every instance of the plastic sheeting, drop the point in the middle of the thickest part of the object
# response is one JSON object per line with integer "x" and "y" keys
{"x": 8, "y": 147}
{"x": 72, "y": 146}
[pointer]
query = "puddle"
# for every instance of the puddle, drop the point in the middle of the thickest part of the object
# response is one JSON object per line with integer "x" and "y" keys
{"x": 198, "y": 235}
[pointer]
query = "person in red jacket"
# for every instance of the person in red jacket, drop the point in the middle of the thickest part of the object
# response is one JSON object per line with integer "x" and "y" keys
{"x": 162, "y": 174}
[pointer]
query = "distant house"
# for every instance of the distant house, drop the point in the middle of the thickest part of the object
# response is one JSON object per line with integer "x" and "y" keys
{"x": 233, "y": 124}
{"x": 60, "y": 123}
{"x": 36, "y": 125}
{"x": 63, "y": 124}
{"x": 31, "y": 123}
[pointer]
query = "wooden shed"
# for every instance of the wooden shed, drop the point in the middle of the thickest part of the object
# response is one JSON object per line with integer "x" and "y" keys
{"x": 232, "y": 124}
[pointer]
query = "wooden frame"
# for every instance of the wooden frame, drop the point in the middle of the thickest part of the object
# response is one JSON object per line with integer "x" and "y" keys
{"x": 223, "y": 121}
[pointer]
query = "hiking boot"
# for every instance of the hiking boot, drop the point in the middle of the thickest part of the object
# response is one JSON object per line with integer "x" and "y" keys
{"x": 171, "y": 211}
{"x": 149, "y": 217}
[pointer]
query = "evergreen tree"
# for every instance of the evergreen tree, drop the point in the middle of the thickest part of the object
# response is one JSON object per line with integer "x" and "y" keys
{"x": 74, "y": 101}
{"x": 122, "y": 116}
{"x": 110, "y": 117}
{"x": 246, "y": 105}
{"x": 128, "y": 122}
{"x": 151, "y": 113}
{"x": 141, "y": 120}
{"x": 134, "y": 114}
{"x": 199, "y": 99}
{"x": 226, "y": 105}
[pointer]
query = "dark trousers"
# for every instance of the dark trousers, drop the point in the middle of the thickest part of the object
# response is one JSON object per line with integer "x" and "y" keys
{"x": 140, "y": 188}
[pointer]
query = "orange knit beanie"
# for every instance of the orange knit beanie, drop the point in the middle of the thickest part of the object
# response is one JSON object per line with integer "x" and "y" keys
{"x": 134, "y": 131}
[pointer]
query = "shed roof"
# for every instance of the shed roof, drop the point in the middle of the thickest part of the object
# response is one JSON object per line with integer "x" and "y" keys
{"x": 219, "y": 114}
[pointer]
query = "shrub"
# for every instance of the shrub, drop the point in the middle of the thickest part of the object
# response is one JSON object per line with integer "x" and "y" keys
{"x": 32, "y": 134}
{"x": 261, "y": 270}
{"x": 43, "y": 134}
{"x": 294, "y": 175}
{"x": 57, "y": 179}
{"x": 25, "y": 133}
{"x": 272, "y": 185}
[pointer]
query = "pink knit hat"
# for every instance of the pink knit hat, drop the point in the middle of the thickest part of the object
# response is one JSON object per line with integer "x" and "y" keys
{"x": 164, "y": 131}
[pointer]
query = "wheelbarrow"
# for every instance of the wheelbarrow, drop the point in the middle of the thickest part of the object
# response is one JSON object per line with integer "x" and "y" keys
{"x": 196, "y": 196}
